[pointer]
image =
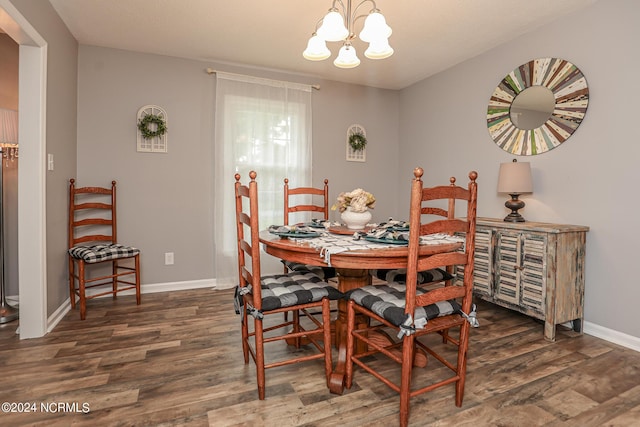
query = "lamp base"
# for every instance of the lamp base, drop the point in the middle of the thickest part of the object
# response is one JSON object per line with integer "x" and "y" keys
{"x": 514, "y": 204}
{"x": 514, "y": 218}
{"x": 8, "y": 313}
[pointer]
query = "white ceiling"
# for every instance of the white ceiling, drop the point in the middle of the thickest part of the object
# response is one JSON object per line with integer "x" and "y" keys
{"x": 428, "y": 35}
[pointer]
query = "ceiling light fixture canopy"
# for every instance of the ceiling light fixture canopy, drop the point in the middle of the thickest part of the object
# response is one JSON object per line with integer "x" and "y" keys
{"x": 338, "y": 25}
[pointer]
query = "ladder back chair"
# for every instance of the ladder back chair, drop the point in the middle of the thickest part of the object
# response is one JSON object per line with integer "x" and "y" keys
{"x": 92, "y": 241}
{"x": 307, "y": 199}
{"x": 258, "y": 297}
{"x": 411, "y": 311}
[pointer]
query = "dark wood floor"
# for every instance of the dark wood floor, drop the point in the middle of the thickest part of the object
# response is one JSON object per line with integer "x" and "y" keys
{"x": 176, "y": 360}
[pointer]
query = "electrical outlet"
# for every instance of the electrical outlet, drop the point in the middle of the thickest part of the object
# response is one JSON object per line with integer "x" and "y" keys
{"x": 168, "y": 258}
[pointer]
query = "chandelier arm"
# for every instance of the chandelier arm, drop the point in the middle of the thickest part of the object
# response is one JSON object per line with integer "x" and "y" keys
{"x": 375, "y": 7}
{"x": 355, "y": 18}
{"x": 344, "y": 9}
{"x": 318, "y": 23}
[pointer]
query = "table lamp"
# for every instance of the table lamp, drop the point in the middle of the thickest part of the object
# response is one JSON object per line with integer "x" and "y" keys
{"x": 514, "y": 179}
{"x": 8, "y": 147}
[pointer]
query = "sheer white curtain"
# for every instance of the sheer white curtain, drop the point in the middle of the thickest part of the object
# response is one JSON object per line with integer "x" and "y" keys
{"x": 262, "y": 125}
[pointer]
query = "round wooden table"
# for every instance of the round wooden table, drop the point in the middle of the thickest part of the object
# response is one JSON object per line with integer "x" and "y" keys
{"x": 353, "y": 272}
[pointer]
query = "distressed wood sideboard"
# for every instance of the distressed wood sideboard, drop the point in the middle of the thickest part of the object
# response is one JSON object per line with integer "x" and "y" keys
{"x": 532, "y": 267}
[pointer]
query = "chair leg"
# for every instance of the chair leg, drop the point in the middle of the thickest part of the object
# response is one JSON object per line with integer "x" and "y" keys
{"x": 462, "y": 362}
{"x": 326, "y": 329}
{"x": 408, "y": 347}
{"x": 114, "y": 280}
{"x": 72, "y": 285}
{"x": 81, "y": 290}
{"x": 351, "y": 325}
{"x": 137, "y": 266}
{"x": 260, "y": 358}
{"x": 296, "y": 327}
{"x": 245, "y": 332}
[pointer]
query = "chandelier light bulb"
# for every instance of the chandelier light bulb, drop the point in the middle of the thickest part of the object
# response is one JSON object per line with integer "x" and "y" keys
{"x": 347, "y": 57}
{"x": 316, "y": 49}
{"x": 375, "y": 27}
{"x": 379, "y": 49}
{"x": 332, "y": 28}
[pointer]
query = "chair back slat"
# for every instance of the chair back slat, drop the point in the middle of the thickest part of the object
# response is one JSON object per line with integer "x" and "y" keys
{"x": 447, "y": 226}
{"x": 440, "y": 294}
{"x": 92, "y": 190}
{"x": 440, "y": 260}
{"x": 91, "y": 221}
{"x": 93, "y": 205}
{"x": 92, "y": 238}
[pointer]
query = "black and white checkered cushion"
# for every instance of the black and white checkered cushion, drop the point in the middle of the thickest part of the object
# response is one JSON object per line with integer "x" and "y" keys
{"x": 286, "y": 290}
{"x": 388, "y": 302}
{"x": 400, "y": 275}
{"x": 99, "y": 253}
{"x": 323, "y": 272}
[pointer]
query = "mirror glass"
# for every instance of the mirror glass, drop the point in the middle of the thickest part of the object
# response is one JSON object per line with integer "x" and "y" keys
{"x": 532, "y": 107}
{"x": 537, "y": 106}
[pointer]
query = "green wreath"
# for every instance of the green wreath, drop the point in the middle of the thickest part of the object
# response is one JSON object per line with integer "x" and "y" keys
{"x": 149, "y": 119}
{"x": 357, "y": 141}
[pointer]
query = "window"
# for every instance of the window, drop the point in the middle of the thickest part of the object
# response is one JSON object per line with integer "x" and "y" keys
{"x": 261, "y": 125}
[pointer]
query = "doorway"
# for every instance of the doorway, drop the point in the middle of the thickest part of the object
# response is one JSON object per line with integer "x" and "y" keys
{"x": 31, "y": 175}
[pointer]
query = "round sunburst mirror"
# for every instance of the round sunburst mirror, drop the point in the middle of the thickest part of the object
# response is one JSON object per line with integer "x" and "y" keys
{"x": 537, "y": 106}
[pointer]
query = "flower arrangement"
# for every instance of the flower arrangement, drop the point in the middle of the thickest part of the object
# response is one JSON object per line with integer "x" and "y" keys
{"x": 358, "y": 200}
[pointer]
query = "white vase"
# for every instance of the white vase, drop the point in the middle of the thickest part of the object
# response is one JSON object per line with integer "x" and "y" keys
{"x": 356, "y": 220}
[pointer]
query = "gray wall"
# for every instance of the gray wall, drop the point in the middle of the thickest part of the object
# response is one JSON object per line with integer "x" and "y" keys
{"x": 589, "y": 180}
{"x": 165, "y": 201}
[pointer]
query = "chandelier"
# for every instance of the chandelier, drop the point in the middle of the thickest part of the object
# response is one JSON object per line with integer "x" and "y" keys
{"x": 338, "y": 26}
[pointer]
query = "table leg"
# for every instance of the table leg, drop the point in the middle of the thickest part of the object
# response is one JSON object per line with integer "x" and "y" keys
{"x": 347, "y": 279}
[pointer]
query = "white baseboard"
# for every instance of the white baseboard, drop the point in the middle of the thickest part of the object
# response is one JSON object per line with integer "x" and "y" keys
{"x": 58, "y": 315}
{"x": 610, "y": 335}
{"x": 151, "y": 288}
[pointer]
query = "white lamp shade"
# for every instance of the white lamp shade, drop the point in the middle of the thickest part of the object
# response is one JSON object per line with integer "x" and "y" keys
{"x": 347, "y": 57}
{"x": 332, "y": 28}
{"x": 316, "y": 49}
{"x": 8, "y": 127}
{"x": 379, "y": 49}
{"x": 375, "y": 27}
{"x": 515, "y": 178}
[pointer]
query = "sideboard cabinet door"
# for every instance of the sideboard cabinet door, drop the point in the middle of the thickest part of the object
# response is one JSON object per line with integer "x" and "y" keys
{"x": 483, "y": 263}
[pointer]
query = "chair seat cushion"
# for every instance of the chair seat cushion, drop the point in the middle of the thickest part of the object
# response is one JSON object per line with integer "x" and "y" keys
{"x": 388, "y": 302}
{"x": 324, "y": 273}
{"x": 100, "y": 253}
{"x": 400, "y": 275}
{"x": 286, "y": 290}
